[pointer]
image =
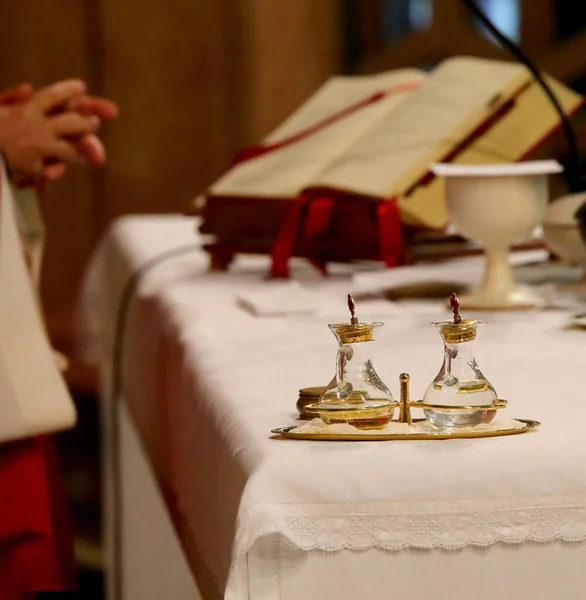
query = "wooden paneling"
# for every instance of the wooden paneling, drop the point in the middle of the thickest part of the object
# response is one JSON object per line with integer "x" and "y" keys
{"x": 289, "y": 49}
{"x": 167, "y": 66}
{"x": 537, "y": 25}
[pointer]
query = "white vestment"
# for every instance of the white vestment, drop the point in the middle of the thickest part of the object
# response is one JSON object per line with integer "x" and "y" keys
{"x": 33, "y": 396}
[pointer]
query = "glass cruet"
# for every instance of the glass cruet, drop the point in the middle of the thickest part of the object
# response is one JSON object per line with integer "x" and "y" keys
{"x": 460, "y": 385}
{"x": 356, "y": 395}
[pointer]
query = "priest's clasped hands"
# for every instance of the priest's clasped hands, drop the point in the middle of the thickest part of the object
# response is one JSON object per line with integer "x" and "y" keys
{"x": 43, "y": 131}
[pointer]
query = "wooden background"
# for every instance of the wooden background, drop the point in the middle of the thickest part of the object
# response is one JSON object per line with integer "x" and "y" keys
{"x": 198, "y": 79}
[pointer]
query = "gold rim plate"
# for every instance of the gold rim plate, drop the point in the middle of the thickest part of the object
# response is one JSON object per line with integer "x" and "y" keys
{"x": 286, "y": 432}
{"x": 314, "y": 408}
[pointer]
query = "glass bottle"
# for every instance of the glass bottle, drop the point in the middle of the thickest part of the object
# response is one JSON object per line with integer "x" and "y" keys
{"x": 356, "y": 395}
{"x": 460, "y": 383}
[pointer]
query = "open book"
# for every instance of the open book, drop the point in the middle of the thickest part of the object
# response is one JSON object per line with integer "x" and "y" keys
{"x": 376, "y": 136}
{"x": 33, "y": 396}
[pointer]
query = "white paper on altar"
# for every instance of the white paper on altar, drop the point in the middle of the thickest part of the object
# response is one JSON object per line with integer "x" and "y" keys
{"x": 33, "y": 396}
{"x": 279, "y": 298}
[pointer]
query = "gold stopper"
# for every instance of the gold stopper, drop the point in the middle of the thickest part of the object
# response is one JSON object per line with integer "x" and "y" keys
{"x": 457, "y": 330}
{"x": 405, "y": 402}
{"x": 355, "y": 331}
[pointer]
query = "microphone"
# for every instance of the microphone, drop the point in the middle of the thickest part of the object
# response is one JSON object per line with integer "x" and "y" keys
{"x": 574, "y": 172}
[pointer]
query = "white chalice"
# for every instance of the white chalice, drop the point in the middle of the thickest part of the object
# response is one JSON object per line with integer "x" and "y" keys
{"x": 498, "y": 205}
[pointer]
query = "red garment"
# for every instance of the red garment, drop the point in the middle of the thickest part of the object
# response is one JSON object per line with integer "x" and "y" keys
{"x": 36, "y": 545}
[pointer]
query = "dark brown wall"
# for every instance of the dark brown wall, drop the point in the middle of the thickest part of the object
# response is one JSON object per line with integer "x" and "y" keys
{"x": 167, "y": 64}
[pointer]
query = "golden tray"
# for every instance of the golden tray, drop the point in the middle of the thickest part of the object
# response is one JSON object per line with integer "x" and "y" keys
{"x": 309, "y": 410}
{"x": 286, "y": 432}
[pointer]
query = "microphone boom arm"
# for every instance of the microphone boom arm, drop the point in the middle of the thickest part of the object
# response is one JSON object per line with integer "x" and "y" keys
{"x": 574, "y": 173}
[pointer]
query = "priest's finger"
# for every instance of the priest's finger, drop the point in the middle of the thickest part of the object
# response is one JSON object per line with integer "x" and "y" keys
{"x": 73, "y": 124}
{"x": 58, "y": 94}
{"x": 92, "y": 148}
{"x": 63, "y": 151}
{"x": 92, "y": 105}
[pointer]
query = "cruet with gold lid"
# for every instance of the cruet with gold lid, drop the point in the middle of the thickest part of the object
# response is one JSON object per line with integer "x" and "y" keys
{"x": 460, "y": 395}
{"x": 356, "y": 395}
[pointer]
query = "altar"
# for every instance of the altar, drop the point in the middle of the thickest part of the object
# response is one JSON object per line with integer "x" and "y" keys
{"x": 203, "y": 501}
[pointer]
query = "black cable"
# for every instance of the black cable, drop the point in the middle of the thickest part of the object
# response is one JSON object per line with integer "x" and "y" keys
{"x": 574, "y": 174}
{"x": 124, "y": 305}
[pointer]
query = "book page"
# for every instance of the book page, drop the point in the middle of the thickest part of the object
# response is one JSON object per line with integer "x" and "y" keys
{"x": 455, "y": 99}
{"x": 511, "y": 138}
{"x": 33, "y": 396}
{"x": 286, "y": 171}
{"x": 525, "y": 128}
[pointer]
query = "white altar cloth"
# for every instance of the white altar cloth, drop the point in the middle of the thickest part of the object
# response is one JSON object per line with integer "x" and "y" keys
{"x": 205, "y": 382}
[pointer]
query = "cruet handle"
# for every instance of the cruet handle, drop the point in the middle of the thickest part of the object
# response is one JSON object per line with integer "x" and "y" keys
{"x": 344, "y": 355}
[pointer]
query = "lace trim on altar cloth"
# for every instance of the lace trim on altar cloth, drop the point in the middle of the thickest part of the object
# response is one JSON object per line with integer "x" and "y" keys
{"x": 540, "y": 519}
{"x": 446, "y": 531}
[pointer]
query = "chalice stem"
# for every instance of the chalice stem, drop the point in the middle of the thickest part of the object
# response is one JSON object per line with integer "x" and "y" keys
{"x": 498, "y": 275}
